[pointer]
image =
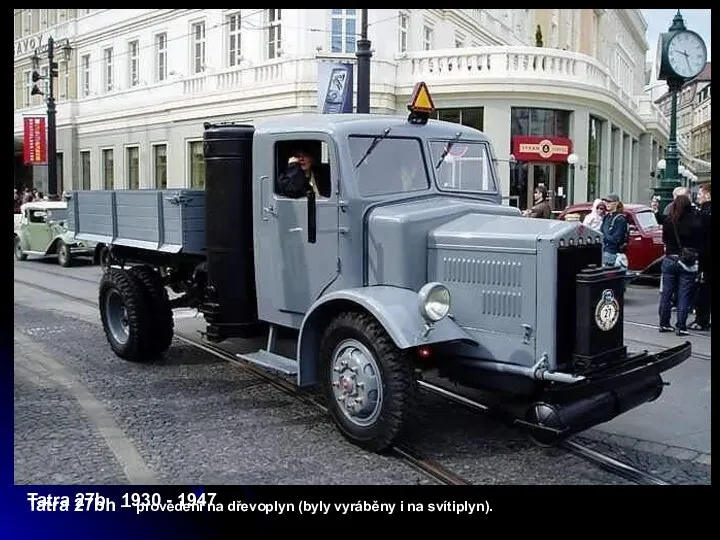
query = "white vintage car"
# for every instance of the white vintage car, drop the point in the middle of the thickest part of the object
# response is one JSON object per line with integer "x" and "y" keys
{"x": 41, "y": 230}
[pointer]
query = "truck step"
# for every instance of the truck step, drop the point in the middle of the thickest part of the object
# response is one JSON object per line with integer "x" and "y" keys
{"x": 269, "y": 360}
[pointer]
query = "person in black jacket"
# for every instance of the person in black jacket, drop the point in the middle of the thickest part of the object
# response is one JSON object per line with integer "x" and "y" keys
{"x": 302, "y": 175}
{"x": 702, "y": 292}
{"x": 680, "y": 231}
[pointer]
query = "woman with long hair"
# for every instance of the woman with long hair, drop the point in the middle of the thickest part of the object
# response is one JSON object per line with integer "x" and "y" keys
{"x": 682, "y": 237}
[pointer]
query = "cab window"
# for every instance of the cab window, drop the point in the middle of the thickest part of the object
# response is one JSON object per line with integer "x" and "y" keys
{"x": 302, "y": 165}
{"x": 394, "y": 165}
{"x": 37, "y": 216}
{"x": 463, "y": 166}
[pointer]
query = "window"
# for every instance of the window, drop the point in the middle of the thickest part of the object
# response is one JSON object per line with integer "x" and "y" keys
{"x": 343, "y": 31}
{"x": 108, "y": 58}
{"x": 594, "y": 157}
{"x": 27, "y": 96}
{"x": 198, "y": 51}
{"x": 234, "y": 48}
{"x": 470, "y": 116}
{"x": 466, "y": 167}
{"x": 160, "y": 57}
{"x": 108, "y": 168}
{"x": 85, "y": 169}
{"x": 52, "y": 19}
{"x": 403, "y": 24}
{"x": 318, "y": 151}
{"x": 64, "y": 69}
{"x": 44, "y": 18}
{"x": 427, "y": 38}
{"x": 160, "y": 166}
{"x": 402, "y": 156}
{"x": 60, "y": 170}
{"x": 86, "y": 74}
{"x": 540, "y": 122}
{"x": 647, "y": 220}
{"x": 134, "y": 63}
{"x": 197, "y": 165}
{"x": 274, "y": 33}
{"x": 133, "y": 167}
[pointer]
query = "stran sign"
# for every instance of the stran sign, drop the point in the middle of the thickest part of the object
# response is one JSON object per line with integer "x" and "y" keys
{"x": 529, "y": 148}
{"x": 34, "y": 140}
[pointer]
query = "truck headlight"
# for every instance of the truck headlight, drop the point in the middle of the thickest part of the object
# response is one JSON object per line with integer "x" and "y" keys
{"x": 434, "y": 301}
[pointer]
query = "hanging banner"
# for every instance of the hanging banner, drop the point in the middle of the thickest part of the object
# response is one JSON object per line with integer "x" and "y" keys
{"x": 35, "y": 140}
{"x": 335, "y": 88}
{"x": 527, "y": 148}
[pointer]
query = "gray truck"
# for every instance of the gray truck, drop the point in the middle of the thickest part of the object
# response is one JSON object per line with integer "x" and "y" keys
{"x": 400, "y": 261}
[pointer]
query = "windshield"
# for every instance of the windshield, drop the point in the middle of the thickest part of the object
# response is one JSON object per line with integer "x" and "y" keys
{"x": 466, "y": 167}
{"x": 646, "y": 220}
{"x": 396, "y": 165}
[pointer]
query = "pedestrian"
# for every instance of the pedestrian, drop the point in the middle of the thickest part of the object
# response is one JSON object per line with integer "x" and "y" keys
{"x": 615, "y": 232}
{"x": 655, "y": 203}
{"x": 702, "y": 290}
{"x": 595, "y": 218}
{"x": 542, "y": 205}
{"x": 679, "y": 267}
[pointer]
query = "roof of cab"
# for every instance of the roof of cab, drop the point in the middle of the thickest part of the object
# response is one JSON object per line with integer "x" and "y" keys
{"x": 367, "y": 124}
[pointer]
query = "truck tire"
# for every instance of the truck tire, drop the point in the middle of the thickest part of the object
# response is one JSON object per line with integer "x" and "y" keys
{"x": 159, "y": 304}
{"x": 125, "y": 316}
{"x": 20, "y": 255}
{"x": 358, "y": 359}
{"x": 64, "y": 255}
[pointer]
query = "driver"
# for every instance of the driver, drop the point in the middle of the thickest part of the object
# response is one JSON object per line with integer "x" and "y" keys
{"x": 301, "y": 175}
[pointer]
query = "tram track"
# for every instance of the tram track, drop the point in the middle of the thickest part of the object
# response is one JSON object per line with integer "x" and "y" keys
{"x": 411, "y": 457}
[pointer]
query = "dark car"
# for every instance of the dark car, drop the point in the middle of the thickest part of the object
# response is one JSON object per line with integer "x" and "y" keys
{"x": 645, "y": 248}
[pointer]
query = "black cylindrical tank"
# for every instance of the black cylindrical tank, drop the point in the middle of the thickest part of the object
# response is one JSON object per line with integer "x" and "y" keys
{"x": 229, "y": 227}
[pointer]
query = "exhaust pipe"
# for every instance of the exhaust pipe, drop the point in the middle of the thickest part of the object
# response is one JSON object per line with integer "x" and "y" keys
{"x": 551, "y": 423}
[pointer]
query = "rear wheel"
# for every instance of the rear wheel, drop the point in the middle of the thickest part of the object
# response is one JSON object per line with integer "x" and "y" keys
{"x": 64, "y": 255}
{"x": 159, "y": 305}
{"x": 367, "y": 381}
{"x": 19, "y": 254}
{"x": 125, "y": 316}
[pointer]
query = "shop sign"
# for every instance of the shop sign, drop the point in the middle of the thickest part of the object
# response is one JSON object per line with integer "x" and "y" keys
{"x": 35, "y": 140}
{"x": 529, "y": 148}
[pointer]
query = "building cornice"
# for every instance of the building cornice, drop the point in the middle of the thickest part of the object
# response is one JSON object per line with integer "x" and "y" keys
{"x": 630, "y": 22}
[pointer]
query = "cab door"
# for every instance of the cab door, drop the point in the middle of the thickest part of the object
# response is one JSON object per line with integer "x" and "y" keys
{"x": 292, "y": 271}
{"x": 37, "y": 230}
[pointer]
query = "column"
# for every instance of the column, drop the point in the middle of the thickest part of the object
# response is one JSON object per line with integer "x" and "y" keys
{"x": 579, "y": 129}
{"x": 497, "y": 128}
{"x": 605, "y": 155}
{"x": 646, "y": 162}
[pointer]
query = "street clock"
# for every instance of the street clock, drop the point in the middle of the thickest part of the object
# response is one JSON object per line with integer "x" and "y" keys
{"x": 681, "y": 53}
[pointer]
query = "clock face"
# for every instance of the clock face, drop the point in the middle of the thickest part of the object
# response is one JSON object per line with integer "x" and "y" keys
{"x": 687, "y": 54}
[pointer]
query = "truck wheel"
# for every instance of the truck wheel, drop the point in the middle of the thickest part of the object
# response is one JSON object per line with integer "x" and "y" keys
{"x": 159, "y": 305}
{"x": 19, "y": 254}
{"x": 125, "y": 316}
{"x": 367, "y": 381}
{"x": 103, "y": 257}
{"x": 63, "y": 254}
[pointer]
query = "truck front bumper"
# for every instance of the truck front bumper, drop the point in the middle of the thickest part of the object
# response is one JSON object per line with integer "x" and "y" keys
{"x": 566, "y": 409}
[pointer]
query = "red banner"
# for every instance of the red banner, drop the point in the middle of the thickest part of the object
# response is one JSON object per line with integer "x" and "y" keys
{"x": 541, "y": 148}
{"x": 35, "y": 140}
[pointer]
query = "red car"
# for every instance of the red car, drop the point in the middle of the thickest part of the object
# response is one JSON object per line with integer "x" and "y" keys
{"x": 645, "y": 249}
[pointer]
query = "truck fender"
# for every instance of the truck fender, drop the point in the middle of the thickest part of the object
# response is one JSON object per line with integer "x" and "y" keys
{"x": 396, "y": 309}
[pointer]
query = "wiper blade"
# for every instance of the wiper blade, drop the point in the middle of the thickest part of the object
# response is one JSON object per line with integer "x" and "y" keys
{"x": 372, "y": 146}
{"x": 447, "y": 148}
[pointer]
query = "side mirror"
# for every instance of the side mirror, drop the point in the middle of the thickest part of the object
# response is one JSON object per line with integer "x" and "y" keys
{"x": 312, "y": 217}
{"x": 632, "y": 229}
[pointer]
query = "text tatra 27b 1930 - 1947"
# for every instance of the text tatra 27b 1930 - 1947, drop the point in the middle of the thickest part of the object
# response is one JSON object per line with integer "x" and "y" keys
{"x": 391, "y": 257}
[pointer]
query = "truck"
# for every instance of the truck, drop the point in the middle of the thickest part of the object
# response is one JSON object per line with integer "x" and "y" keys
{"x": 405, "y": 263}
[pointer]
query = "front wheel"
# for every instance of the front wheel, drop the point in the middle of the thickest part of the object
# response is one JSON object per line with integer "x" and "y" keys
{"x": 367, "y": 381}
{"x": 20, "y": 255}
{"x": 63, "y": 254}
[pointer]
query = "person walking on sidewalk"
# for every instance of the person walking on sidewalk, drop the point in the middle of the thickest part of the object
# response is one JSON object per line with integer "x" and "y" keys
{"x": 702, "y": 289}
{"x": 682, "y": 236}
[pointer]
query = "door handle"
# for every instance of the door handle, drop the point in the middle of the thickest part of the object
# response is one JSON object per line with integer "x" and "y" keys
{"x": 265, "y": 209}
{"x": 270, "y": 210}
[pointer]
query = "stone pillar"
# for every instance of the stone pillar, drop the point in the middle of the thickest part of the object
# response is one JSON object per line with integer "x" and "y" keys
{"x": 496, "y": 124}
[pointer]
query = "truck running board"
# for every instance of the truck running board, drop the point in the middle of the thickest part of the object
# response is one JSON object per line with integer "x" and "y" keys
{"x": 269, "y": 360}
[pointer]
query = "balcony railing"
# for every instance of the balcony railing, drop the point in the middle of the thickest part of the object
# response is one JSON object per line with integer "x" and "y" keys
{"x": 540, "y": 69}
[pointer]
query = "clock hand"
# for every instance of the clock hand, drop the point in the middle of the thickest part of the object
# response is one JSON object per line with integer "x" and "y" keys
{"x": 687, "y": 59}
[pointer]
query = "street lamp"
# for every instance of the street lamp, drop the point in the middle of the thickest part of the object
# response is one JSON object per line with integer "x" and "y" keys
{"x": 52, "y": 127}
{"x": 572, "y": 159}
{"x": 661, "y": 168}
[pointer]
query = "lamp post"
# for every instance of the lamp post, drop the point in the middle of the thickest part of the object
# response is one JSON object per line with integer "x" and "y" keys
{"x": 51, "y": 111}
{"x": 363, "y": 55}
{"x": 572, "y": 159}
{"x": 682, "y": 55}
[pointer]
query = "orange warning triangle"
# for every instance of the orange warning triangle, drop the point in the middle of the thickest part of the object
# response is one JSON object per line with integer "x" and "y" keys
{"x": 421, "y": 100}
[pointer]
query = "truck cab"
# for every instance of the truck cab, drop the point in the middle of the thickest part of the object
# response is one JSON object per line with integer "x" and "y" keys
{"x": 380, "y": 244}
